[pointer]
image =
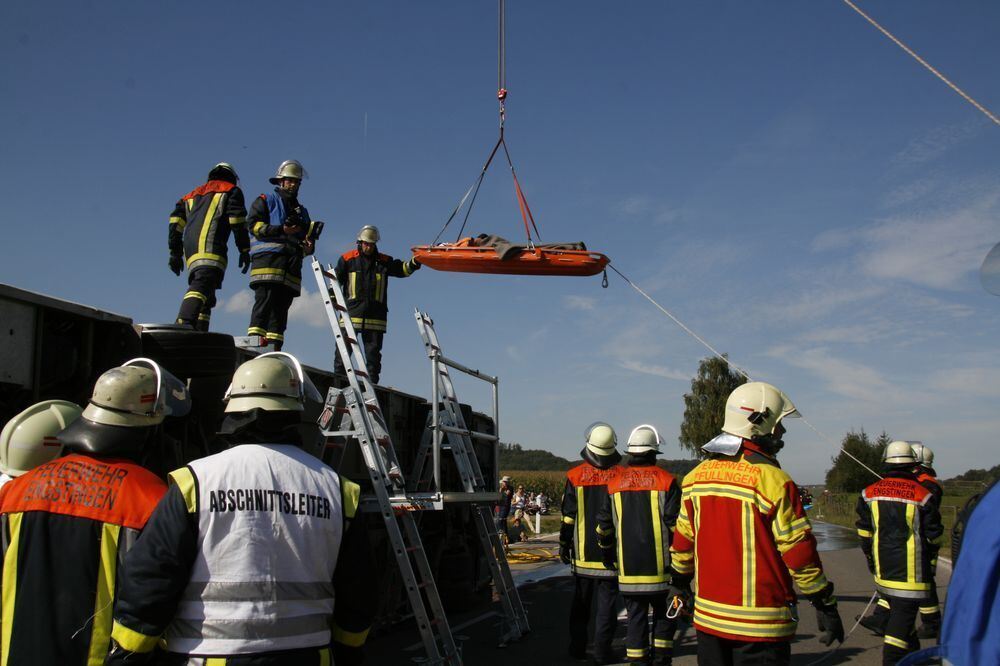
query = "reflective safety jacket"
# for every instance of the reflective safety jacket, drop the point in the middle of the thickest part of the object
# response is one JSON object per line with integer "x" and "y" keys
{"x": 254, "y": 550}
{"x": 899, "y": 523}
{"x": 202, "y": 220}
{"x": 636, "y": 520}
{"x": 66, "y": 526}
{"x": 743, "y": 534}
{"x": 276, "y": 257}
{"x": 928, "y": 480}
{"x": 584, "y": 496}
{"x": 365, "y": 281}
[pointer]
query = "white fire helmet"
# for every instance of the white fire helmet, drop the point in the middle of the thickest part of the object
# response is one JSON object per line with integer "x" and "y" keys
{"x": 29, "y": 439}
{"x": 136, "y": 394}
{"x": 273, "y": 382}
{"x": 756, "y": 408}
{"x": 899, "y": 453}
{"x": 643, "y": 439}
{"x": 601, "y": 439}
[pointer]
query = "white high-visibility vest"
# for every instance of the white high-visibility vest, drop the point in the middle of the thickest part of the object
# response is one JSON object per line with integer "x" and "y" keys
{"x": 270, "y": 524}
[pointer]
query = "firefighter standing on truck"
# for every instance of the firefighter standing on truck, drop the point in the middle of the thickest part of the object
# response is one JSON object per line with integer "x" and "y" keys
{"x": 585, "y": 493}
{"x": 900, "y": 528}
{"x": 634, "y": 529}
{"x": 256, "y": 555}
{"x": 364, "y": 275}
{"x": 744, "y": 537}
{"x": 199, "y": 236}
{"x": 68, "y": 522}
{"x": 281, "y": 234}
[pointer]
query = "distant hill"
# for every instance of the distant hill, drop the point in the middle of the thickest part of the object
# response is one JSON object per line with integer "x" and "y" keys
{"x": 982, "y": 475}
{"x": 514, "y": 457}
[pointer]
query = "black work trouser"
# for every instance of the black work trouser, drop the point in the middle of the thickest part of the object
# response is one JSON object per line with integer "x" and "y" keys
{"x": 301, "y": 657}
{"x": 196, "y": 308}
{"x": 372, "y": 341}
{"x": 605, "y": 617}
{"x": 637, "y": 643}
{"x": 270, "y": 311}
{"x": 716, "y": 651}
{"x": 930, "y": 610}
{"x": 900, "y": 631}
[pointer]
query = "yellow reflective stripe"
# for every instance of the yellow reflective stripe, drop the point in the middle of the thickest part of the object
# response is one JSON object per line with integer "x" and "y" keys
{"x": 258, "y": 226}
{"x": 883, "y": 602}
{"x": 205, "y": 255}
{"x": 207, "y": 222}
{"x": 215, "y": 661}
{"x": 184, "y": 479}
{"x": 911, "y": 543}
{"x": 654, "y": 511}
{"x": 895, "y": 642}
{"x": 133, "y": 641}
{"x": 100, "y": 637}
{"x": 350, "y": 493}
{"x": 741, "y": 494}
{"x": 745, "y": 628}
{"x": 379, "y": 287}
{"x": 9, "y": 584}
{"x": 324, "y": 657}
{"x": 267, "y": 271}
{"x": 407, "y": 268}
{"x": 636, "y": 653}
{"x": 369, "y": 324}
{"x": 190, "y": 204}
{"x": 929, "y": 610}
{"x": 662, "y": 643}
{"x": 582, "y": 524}
{"x": 256, "y": 330}
{"x": 352, "y": 291}
{"x": 900, "y": 585}
{"x": 865, "y": 534}
{"x": 568, "y": 520}
{"x": 179, "y": 221}
{"x": 775, "y": 613}
{"x": 874, "y": 507}
{"x": 204, "y": 316}
{"x": 349, "y": 638}
{"x": 656, "y": 578}
{"x": 621, "y": 530}
{"x": 749, "y": 558}
{"x": 234, "y": 221}
{"x": 196, "y": 294}
{"x": 275, "y": 336}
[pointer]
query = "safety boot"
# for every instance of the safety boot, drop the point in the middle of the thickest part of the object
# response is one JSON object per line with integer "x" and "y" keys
{"x": 875, "y": 622}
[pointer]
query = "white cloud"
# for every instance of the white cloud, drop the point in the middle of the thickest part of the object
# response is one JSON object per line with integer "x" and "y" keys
{"x": 656, "y": 370}
{"x": 841, "y": 376}
{"x": 658, "y": 212}
{"x": 241, "y": 301}
{"x": 308, "y": 309}
{"x": 979, "y": 382}
{"x": 585, "y": 303}
{"x": 934, "y": 144}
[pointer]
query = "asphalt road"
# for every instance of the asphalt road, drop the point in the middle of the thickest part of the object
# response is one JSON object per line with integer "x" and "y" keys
{"x": 546, "y": 589}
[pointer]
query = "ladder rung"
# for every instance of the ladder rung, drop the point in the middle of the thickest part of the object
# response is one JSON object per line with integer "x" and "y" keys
{"x": 329, "y": 275}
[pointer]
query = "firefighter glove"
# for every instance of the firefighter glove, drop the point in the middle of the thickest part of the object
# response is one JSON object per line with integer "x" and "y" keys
{"x": 831, "y": 628}
{"x": 680, "y": 588}
{"x": 566, "y": 543}
{"x": 176, "y": 264}
{"x": 244, "y": 261}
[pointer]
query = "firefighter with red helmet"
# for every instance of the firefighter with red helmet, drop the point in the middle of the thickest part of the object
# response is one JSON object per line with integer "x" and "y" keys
{"x": 743, "y": 537}
{"x": 583, "y": 497}
{"x": 199, "y": 237}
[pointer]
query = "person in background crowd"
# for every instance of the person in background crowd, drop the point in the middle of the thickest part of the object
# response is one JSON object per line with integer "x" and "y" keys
{"x": 29, "y": 439}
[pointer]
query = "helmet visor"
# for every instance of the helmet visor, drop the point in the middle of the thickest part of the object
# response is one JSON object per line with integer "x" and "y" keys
{"x": 172, "y": 398}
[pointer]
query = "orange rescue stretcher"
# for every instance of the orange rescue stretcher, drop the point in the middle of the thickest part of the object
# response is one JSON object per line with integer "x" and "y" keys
{"x": 466, "y": 256}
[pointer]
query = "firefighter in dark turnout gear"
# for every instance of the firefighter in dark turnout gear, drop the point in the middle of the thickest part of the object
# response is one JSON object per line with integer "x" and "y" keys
{"x": 930, "y": 610}
{"x": 83, "y": 512}
{"x": 899, "y": 523}
{"x": 744, "y": 538}
{"x": 199, "y": 235}
{"x": 634, "y": 529}
{"x": 281, "y": 234}
{"x": 584, "y": 496}
{"x": 364, "y": 275}
{"x": 254, "y": 555}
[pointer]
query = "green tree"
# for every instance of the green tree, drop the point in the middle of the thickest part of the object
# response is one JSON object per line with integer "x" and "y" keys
{"x": 846, "y": 475}
{"x": 705, "y": 405}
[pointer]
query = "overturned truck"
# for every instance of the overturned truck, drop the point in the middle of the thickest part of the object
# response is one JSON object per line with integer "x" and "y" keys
{"x": 55, "y": 349}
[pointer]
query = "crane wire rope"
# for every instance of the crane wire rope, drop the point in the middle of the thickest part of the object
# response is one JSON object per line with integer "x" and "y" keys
{"x": 733, "y": 366}
{"x": 968, "y": 98}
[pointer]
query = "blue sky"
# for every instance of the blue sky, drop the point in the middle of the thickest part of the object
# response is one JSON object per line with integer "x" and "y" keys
{"x": 779, "y": 175}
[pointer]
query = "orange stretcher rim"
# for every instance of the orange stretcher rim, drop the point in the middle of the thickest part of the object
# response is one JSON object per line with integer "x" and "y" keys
{"x": 529, "y": 261}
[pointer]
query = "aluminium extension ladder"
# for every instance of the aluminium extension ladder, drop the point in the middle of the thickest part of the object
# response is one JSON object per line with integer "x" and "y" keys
{"x": 363, "y": 420}
{"x": 447, "y": 431}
